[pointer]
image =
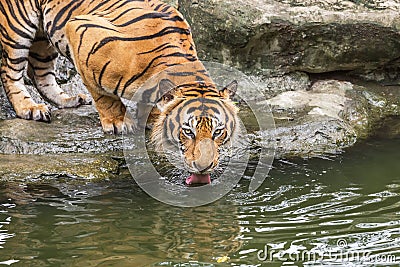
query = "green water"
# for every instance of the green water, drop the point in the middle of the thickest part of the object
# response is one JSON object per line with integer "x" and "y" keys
{"x": 342, "y": 211}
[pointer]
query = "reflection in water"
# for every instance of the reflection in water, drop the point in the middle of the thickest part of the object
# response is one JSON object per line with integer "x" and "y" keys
{"x": 5, "y": 219}
{"x": 317, "y": 212}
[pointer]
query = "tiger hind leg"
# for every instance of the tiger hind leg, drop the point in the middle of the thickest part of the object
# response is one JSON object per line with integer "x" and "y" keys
{"x": 42, "y": 60}
{"x": 14, "y": 62}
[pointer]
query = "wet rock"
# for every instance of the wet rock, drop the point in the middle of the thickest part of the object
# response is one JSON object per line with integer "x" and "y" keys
{"x": 73, "y": 167}
{"x": 329, "y": 117}
{"x": 264, "y": 37}
{"x": 370, "y": 110}
{"x": 73, "y": 146}
{"x": 75, "y": 130}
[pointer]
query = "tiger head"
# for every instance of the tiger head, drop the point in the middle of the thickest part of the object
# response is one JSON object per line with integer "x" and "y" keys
{"x": 198, "y": 122}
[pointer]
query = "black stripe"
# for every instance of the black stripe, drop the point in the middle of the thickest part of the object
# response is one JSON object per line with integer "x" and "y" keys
{"x": 45, "y": 74}
{"x": 91, "y": 52}
{"x": 12, "y": 27}
{"x": 17, "y": 60}
{"x": 43, "y": 59}
{"x": 165, "y": 9}
{"x": 163, "y": 32}
{"x": 123, "y": 13}
{"x": 47, "y": 11}
{"x": 159, "y": 48}
{"x": 171, "y": 125}
{"x": 158, "y": 7}
{"x": 70, "y": 8}
{"x": 14, "y": 45}
{"x": 175, "y": 18}
{"x": 137, "y": 76}
{"x": 14, "y": 79}
{"x": 141, "y": 18}
{"x": 17, "y": 19}
{"x": 115, "y": 92}
{"x": 112, "y": 8}
{"x": 14, "y": 93}
{"x": 102, "y": 3}
{"x": 15, "y": 69}
{"x": 100, "y": 97}
{"x": 102, "y": 72}
{"x": 81, "y": 39}
{"x": 24, "y": 15}
{"x": 204, "y": 101}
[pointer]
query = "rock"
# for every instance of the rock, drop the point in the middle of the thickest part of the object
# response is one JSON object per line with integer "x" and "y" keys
{"x": 6, "y": 109}
{"x": 272, "y": 86}
{"x": 75, "y": 130}
{"x": 173, "y": 3}
{"x": 72, "y": 145}
{"x": 73, "y": 167}
{"x": 371, "y": 110}
{"x": 329, "y": 117}
{"x": 65, "y": 71}
{"x": 264, "y": 37}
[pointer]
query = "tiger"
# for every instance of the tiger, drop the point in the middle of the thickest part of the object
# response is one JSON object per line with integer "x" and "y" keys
{"x": 116, "y": 46}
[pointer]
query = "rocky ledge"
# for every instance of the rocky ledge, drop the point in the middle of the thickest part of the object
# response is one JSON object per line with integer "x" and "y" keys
{"x": 315, "y": 36}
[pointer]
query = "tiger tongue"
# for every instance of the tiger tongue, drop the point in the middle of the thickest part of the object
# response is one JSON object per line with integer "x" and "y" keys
{"x": 198, "y": 179}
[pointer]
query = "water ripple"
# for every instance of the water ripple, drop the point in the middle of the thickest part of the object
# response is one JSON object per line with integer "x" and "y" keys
{"x": 305, "y": 209}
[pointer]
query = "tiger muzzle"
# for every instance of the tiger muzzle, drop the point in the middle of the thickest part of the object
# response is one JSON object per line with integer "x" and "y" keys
{"x": 207, "y": 151}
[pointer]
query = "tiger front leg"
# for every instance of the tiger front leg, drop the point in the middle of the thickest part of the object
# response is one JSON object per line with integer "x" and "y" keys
{"x": 42, "y": 60}
{"x": 113, "y": 116}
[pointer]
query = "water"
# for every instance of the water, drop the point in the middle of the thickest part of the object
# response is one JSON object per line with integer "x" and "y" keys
{"x": 342, "y": 211}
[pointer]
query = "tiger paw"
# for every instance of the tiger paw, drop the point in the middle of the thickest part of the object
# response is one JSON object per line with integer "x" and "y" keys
{"x": 120, "y": 125}
{"x": 37, "y": 112}
{"x": 75, "y": 101}
{"x": 84, "y": 99}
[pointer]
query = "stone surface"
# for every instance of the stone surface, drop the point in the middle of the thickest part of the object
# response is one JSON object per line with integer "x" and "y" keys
{"x": 263, "y": 36}
{"x": 75, "y": 130}
{"x": 75, "y": 167}
{"x": 331, "y": 116}
{"x": 72, "y": 146}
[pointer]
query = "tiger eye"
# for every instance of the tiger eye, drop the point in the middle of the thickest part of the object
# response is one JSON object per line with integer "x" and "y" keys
{"x": 188, "y": 133}
{"x": 217, "y": 133}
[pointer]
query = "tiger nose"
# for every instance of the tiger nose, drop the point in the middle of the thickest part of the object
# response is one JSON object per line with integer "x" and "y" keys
{"x": 202, "y": 168}
{"x": 206, "y": 149}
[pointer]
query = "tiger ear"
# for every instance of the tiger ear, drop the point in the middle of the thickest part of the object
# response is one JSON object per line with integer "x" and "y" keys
{"x": 166, "y": 91}
{"x": 229, "y": 91}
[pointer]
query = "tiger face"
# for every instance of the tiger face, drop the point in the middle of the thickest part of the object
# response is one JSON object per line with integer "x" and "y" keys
{"x": 199, "y": 127}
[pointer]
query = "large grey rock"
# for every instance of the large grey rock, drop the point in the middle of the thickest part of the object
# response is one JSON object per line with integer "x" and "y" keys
{"x": 331, "y": 116}
{"x": 263, "y": 36}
